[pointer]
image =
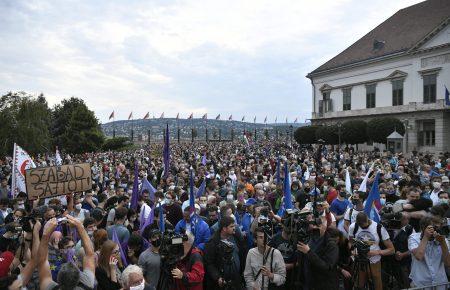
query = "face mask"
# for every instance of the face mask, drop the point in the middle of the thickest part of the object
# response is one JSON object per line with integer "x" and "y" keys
{"x": 355, "y": 201}
{"x": 90, "y": 233}
{"x": 230, "y": 197}
{"x": 325, "y": 188}
{"x": 382, "y": 201}
{"x": 139, "y": 287}
{"x": 21, "y": 206}
{"x": 203, "y": 205}
{"x": 295, "y": 188}
{"x": 132, "y": 219}
{"x": 156, "y": 243}
{"x": 168, "y": 201}
{"x": 436, "y": 185}
{"x": 78, "y": 206}
{"x": 260, "y": 198}
{"x": 443, "y": 201}
{"x": 342, "y": 194}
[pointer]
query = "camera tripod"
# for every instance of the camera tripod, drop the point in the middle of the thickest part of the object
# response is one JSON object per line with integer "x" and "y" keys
{"x": 362, "y": 264}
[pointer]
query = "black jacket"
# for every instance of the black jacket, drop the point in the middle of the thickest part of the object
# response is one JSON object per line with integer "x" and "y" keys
{"x": 213, "y": 263}
{"x": 322, "y": 264}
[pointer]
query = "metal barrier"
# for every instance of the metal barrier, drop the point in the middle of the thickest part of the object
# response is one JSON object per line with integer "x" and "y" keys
{"x": 440, "y": 286}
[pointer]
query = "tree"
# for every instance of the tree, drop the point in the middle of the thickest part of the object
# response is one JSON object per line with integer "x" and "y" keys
{"x": 379, "y": 128}
{"x": 306, "y": 135}
{"x": 24, "y": 120}
{"x": 75, "y": 128}
{"x": 328, "y": 134}
{"x": 118, "y": 143}
{"x": 354, "y": 132}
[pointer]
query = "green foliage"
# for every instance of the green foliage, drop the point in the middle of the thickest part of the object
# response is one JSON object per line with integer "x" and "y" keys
{"x": 25, "y": 120}
{"x": 379, "y": 128}
{"x": 306, "y": 135}
{"x": 354, "y": 132}
{"x": 328, "y": 134}
{"x": 118, "y": 143}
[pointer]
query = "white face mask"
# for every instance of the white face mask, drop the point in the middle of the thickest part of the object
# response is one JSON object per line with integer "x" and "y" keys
{"x": 139, "y": 287}
{"x": 230, "y": 197}
{"x": 443, "y": 201}
{"x": 436, "y": 185}
{"x": 78, "y": 206}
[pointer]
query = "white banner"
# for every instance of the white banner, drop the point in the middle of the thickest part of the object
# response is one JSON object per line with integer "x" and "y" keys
{"x": 21, "y": 162}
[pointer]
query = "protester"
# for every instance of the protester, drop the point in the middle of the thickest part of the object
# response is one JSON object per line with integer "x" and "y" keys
{"x": 107, "y": 272}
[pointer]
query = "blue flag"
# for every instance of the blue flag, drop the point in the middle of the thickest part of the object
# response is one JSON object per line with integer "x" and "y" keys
{"x": 148, "y": 220}
{"x": 204, "y": 159}
{"x": 135, "y": 194}
{"x": 166, "y": 153}
{"x": 373, "y": 199}
{"x": 162, "y": 226}
{"x": 278, "y": 170}
{"x": 201, "y": 189}
{"x": 146, "y": 185}
{"x": 447, "y": 97}
{"x": 191, "y": 191}
{"x": 287, "y": 188}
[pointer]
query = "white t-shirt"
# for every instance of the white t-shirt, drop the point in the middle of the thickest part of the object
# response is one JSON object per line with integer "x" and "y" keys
{"x": 369, "y": 236}
{"x": 351, "y": 219}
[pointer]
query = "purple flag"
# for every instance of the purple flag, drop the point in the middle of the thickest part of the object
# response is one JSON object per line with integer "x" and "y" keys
{"x": 204, "y": 159}
{"x": 201, "y": 189}
{"x": 166, "y": 153}
{"x": 135, "y": 194}
{"x": 191, "y": 191}
{"x": 115, "y": 239}
{"x": 146, "y": 185}
{"x": 148, "y": 220}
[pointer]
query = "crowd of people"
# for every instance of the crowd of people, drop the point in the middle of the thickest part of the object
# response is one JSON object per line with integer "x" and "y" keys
{"x": 265, "y": 215}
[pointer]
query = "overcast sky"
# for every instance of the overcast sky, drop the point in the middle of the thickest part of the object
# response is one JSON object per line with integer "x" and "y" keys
{"x": 230, "y": 57}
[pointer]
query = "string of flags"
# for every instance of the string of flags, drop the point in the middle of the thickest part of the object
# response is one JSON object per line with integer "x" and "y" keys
{"x": 204, "y": 117}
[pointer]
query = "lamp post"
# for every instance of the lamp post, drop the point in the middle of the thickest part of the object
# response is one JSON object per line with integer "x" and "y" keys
{"x": 339, "y": 125}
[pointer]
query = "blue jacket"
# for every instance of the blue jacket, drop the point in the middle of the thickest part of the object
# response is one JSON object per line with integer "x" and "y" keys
{"x": 246, "y": 223}
{"x": 201, "y": 231}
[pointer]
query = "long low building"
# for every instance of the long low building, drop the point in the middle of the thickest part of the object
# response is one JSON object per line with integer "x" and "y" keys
{"x": 401, "y": 69}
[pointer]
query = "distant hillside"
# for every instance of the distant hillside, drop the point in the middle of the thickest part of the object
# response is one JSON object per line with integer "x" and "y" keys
{"x": 215, "y": 127}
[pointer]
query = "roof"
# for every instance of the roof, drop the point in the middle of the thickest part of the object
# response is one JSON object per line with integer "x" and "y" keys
{"x": 395, "y": 135}
{"x": 398, "y": 34}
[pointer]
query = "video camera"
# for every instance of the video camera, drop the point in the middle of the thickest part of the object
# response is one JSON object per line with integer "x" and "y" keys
{"x": 225, "y": 248}
{"x": 171, "y": 249}
{"x": 362, "y": 247}
{"x": 265, "y": 222}
{"x": 391, "y": 219}
{"x": 298, "y": 224}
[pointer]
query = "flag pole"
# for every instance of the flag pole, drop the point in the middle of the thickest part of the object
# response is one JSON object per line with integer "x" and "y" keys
{"x": 192, "y": 128}
{"x": 114, "y": 125}
{"x": 178, "y": 128}
{"x": 13, "y": 181}
{"x": 132, "y": 128}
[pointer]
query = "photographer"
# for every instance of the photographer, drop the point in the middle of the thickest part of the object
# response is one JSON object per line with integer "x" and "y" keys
{"x": 430, "y": 254}
{"x": 264, "y": 262}
{"x": 373, "y": 234}
{"x": 402, "y": 254}
{"x": 222, "y": 273}
{"x": 189, "y": 271}
{"x": 318, "y": 259}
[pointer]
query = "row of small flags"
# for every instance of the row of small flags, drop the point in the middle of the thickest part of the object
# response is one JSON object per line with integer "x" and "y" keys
{"x": 191, "y": 116}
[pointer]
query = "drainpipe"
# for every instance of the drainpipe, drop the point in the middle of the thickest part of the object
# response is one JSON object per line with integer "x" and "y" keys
{"x": 314, "y": 96}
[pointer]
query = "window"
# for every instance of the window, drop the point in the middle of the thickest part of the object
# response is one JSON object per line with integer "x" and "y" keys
{"x": 347, "y": 99}
{"x": 427, "y": 134}
{"x": 370, "y": 96}
{"x": 326, "y": 95}
{"x": 429, "y": 88}
{"x": 397, "y": 93}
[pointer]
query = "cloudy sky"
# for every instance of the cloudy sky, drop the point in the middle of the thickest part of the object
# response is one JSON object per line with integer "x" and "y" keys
{"x": 203, "y": 56}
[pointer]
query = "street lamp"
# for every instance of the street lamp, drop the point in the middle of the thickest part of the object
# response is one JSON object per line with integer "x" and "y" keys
{"x": 339, "y": 125}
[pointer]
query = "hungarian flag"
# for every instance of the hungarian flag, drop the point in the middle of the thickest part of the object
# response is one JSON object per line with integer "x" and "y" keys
{"x": 265, "y": 120}
{"x": 130, "y": 116}
{"x": 191, "y": 116}
{"x": 218, "y": 117}
{"x": 243, "y": 119}
{"x": 230, "y": 118}
{"x": 147, "y": 116}
{"x": 205, "y": 116}
{"x": 178, "y": 116}
{"x": 21, "y": 162}
{"x": 162, "y": 116}
{"x": 111, "y": 116}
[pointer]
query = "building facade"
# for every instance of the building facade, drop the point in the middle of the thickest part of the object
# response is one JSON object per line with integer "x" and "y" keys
{"x": 400, "y": 69}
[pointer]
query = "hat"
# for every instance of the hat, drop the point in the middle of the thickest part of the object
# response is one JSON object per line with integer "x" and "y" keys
{"x": 6, "y": 259}
{"x": 250, "y": 201}
{"x": 445, "y": 179}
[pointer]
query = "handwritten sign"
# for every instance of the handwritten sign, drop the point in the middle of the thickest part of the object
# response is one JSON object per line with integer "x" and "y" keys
{"x": 58, "y": 180}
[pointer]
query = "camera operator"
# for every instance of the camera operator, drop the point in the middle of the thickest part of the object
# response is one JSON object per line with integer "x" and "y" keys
{"x": 317, "y": 259}
{"x": 430, "y": 253}
{"x": 219, "y": 273}
{"x": 264, "y": 267}
{"x": 373, "y": 234}
{"x": 189, "y": 271}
